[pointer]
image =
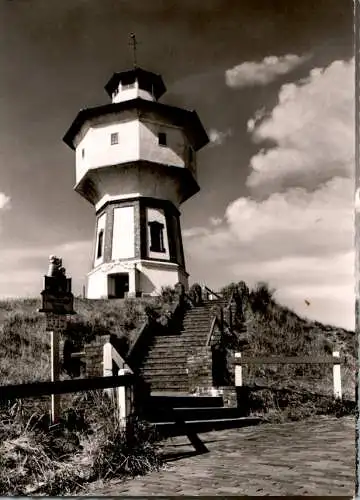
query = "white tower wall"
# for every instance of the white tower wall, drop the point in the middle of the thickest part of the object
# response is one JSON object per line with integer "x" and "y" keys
{"x": 135, "y": 163}
{"x": 123, "y": 247}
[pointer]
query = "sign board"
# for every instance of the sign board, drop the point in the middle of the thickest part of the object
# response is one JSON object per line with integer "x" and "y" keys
{"x": 57, "y": 303}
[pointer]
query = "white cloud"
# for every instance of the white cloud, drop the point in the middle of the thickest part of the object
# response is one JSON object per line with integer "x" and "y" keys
{"x": 22, "y": 270}
{"x": 217, "y": 137}
{"x": 298, "y": 235}
{"x": 261, "y": 73}
{"x": 215, "y": 221}
{"x": 4, "y": 201}
{"x": 299, "y": 242}
{"x": 313, "y": 130}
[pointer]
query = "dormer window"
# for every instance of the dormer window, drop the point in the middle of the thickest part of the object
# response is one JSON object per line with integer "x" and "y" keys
{"x": 100, "y": 244}
{"x": 114, "y": 138}
{"x": 127, "y": 86}
{"x": 162, "y": 139}
{"x": 156, "y": 237}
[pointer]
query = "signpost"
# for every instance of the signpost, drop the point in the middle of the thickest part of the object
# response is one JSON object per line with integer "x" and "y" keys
{"x": 57, "y": 303}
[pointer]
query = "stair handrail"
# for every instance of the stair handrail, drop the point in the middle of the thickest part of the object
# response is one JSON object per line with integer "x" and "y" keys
{"x": 212, "y": 292}
{"x": 228, "y": 308}
{"x": 211, "y": 331}
{"x": 138, "y": 335}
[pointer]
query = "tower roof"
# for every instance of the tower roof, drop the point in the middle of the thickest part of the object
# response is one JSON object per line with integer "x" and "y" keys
{"x": 188, "y": 120}
{"x": 147, "y": 81}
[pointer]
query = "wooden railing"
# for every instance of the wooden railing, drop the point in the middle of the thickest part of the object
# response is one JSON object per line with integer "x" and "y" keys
{"x": 211, "y": 292}
{"x": 334, "y": 360}
{"x": 139, "y": 335}
{"x": 211, "y": 331}
{"x": 38, "y": 389}
{"x": 122, "y": 381}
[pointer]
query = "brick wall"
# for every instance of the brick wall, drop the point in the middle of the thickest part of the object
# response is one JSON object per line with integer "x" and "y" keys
{"x": 94, "y": 356}
{"x": 199, "y": 365}
{"x": 230, "y": 396}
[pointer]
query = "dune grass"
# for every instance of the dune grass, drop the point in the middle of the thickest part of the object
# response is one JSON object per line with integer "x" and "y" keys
{"x": 89, "y": 444}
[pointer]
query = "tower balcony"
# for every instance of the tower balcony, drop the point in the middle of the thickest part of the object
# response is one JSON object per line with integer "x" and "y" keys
{"x": 137, "y": 179}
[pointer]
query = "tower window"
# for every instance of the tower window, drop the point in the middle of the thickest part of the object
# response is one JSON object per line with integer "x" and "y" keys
{"x": 83, "y": 153}
{"x": 128, "y": 86}
{"x": 162, "y": 139}
{"x": 100, "y": 244}
{"x": 114, "y": 139}
{"x": 156, "y": 237}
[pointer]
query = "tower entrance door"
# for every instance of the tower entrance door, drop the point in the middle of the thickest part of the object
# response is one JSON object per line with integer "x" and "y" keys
{"x": 118, "y": 285}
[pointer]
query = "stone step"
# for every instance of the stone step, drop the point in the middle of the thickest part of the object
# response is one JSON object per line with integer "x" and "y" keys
{"x": 169, "y": 349}
{"x": 158, "y": 414}
{"x": 163, "y": 353}
{"x": 167, "y": 380}
{"x": 164, "y": 362}
{"x": 180, "y": 339}
{"x": 170, "y": 429}
{"x": 196, "y": 319}
{"x": 161, "y": 399}
{"x": 170, "y": 386}
{"x": 179, "y": 375}
{"x": 165, "y": 376}
{"x": 163, "y": 356}
{"x": 168, "y": 344}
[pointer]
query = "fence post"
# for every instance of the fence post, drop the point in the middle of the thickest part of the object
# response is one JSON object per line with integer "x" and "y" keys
{"x": 124, "y": 400}
{"x": 337, "y": 376}
{"x": 108, "y": 366}
{"x": 238, "y": 371}
{"x": 55, "y": 372}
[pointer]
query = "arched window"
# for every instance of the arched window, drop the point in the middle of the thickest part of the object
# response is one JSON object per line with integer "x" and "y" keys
{"x": 156, "y": 237}
{"x": 100, "y": 244}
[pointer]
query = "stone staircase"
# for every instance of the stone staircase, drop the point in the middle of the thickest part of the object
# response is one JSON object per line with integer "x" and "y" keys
{"x": 164, "y": 366}
{"x": 196, "y": 414}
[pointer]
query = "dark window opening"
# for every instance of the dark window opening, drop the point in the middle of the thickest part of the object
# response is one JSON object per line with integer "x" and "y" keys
{"x": 126, "y": 86}
{"x": 156, "y": 237}
{"x": 162, "y": 139}
{"x": 83, "y": 153}
{"x": 100, "y": 244}
{"x": 114, "y": 138}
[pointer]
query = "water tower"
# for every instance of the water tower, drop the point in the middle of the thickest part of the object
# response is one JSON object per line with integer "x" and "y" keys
{"x": 136, "y": 164}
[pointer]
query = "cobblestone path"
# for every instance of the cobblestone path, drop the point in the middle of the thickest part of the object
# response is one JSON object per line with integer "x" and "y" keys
{"x": 313, "y": 457}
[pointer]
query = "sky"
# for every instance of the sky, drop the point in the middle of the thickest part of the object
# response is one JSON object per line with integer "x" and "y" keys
{"x": 273, "y": 84}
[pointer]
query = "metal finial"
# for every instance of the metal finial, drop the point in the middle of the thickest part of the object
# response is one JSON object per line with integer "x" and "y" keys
{"x": 133, "y": 42}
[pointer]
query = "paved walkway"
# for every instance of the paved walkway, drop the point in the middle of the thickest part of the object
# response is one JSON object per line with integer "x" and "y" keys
{"x": 313, "y": 457}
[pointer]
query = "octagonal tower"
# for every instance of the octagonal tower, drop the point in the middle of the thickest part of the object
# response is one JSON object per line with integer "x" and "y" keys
{"x": 136, "y": 164}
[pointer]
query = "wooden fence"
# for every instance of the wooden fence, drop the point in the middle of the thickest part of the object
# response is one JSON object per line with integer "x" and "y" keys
{"x": 122, "y": 382}
{"x": 333, "y": 360}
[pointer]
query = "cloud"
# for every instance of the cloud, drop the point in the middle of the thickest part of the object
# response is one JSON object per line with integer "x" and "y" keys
{"x": 22, "y": 270}
{"x": 299, "y": 242}
{"x": 4, "y": 201}
{"x": 296, "y": 231}
{"x": 312, "y": 128}
{"x": 217, "y": 137}
{"x": 252, "y": 122}
{"x": 252, "y": 73}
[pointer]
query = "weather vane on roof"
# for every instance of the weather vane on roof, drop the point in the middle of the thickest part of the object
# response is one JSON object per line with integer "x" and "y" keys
{"x": 133, "y": 42}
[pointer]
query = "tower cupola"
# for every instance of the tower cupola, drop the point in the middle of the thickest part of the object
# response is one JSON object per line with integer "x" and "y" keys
{"x": 135, "y": 83}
